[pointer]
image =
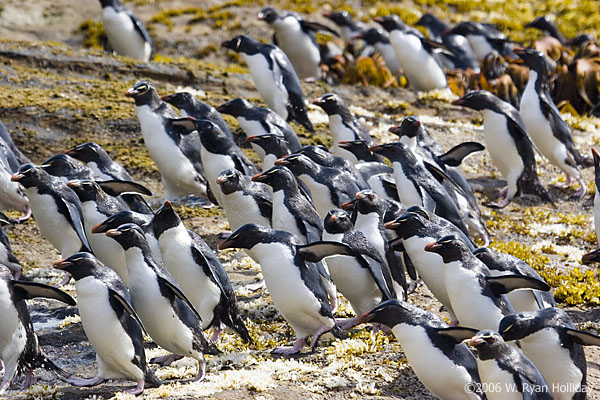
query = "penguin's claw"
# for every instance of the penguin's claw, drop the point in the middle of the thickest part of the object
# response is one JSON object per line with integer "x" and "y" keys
{"x": 165, "y": 360}
{"x": 289, "y": 350}
{"x": 30, "y": 379}
{"x": 581, "y": 192}
{"x": 201, "y": 371}
{"x": 216, "y": 335}
{"x": 75, "y": 381}
{"x": 136, "y": 390}
{"x": 346, "y": 323}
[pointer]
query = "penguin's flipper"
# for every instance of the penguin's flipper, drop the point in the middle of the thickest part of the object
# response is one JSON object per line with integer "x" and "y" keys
{"x": 166, "y": 285}
{"x": 397, "y": 244}
{"x": 410, "y": 267}
{"x": 507, "y": 283}
{"x": 441, "y": 176}
{"x": 30, "y": 290}
{"x": 139, "y": 26}
{"x": 316, "y": 27}
{"x": 182, "y": 126}
{"x": 458, "y": 153}
{"x": 458, "y": 334}
{"x": 116, "y": 187}
{"x": 115, "y": 296}
{"x": 77, "y": 222}
{"x": 381, "y": 275}
{"x": 243, "y": 164}
{"x": 200, "y": 259}
{"x": 583, "y": 338}
{"x": 6, "y": 220}
{"x": 315, "y": 252}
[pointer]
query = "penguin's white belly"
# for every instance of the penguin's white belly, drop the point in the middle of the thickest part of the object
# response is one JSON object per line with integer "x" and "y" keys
{"x": 268, "y": 161}
{"x": 407, "y": 192}
{"x": 320, "y": 194}
{"x": 12, "y": 332}
{"x": 368, "y": 224}
{"x": 175, "y": 246}
{"x": 464, "y": 291}
{"x": 11, "y": 197}
{"x": 438, "y": 373}
{"x": 520, "y": 299}
{"x": 53, "y": 225}
{"x": 176, "y": 170}
{"x": 112, "y": 343}
{"x": 499, "y": 383}
{"x": 341, "y": 132}
{"x": 298, "y": 46}
{"x": 241, "y": 210}
{"x": 264, "y": 79}
{"x": 106, "y": 249}
{"x": 389, "y": 56}
{"x": 597, "y": 213}
{"x": 214, "y": 164}
{"x": 421, "y": 69}
{"x": 123, "y": 36}
{"x": 283, "y": 219}
{"x": 155, "y": 310}
{"x": 554, "y": 362}
{"x": 429, "y": 266}
{"x": 14, "y": 267}
{"x": 254, "y": 128}
{"x": 501, "y": 145}
{"x": 96, "y": 171}
{"x": 290, "y": 295}
{"x": 480, "y": 46}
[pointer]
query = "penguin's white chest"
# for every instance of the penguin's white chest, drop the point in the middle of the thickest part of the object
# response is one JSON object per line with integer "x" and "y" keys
{"x": 389, "y": 56}
{"x": 214, "y": 164}
{"x": 407, "y": 192}
{"x": 480, "y": 45}
{"x": 320, "y": 194}
{"x": 500, "y": 383}
{"x": 341, "y": 132}
{"x": 12, "y": 197}
{"x": 298, "y": 46}
{"x": 282, "y": 218}
{"x": 111, "y": 342}
{"x": 501, "y": 145}
{"x": 123, "y": 36}
{"x": 254, "y": 128}
{"x": 53, "y": 225}
{"x": 438, "y": 373}
{"x": 97, "y": 171}
{"x": 368, "y": 224}
{"x": 554, "y": 362}
{"x": 241, "y": 209}
{"x": 269, "y": 83}
{"x": 12, "y": 331}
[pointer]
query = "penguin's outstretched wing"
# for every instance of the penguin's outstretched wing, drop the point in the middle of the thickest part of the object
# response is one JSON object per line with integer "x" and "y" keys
{"x": 116, "y": 187}
{"x": 308, "y": 26}
{"x": 30, "y": 290}
{"x": 76, "y": 217}
{"x": 458, "y": 334}
{"x": 458, "y": 153}
{"x": 507, "y": 283}
{"x": 583, "y": 338}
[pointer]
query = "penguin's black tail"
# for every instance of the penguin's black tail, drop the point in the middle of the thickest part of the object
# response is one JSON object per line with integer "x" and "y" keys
{"x": 151, "y": 379}
{"x": 48, "y": 365}
{"x": 238, "y": 325}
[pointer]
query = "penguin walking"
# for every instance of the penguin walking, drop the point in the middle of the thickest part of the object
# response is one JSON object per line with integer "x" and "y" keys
{"x": 199, "y": 273}
{"x": 414, "y": 55}
{"x": 177, "y": 155}
{"x": 126, "y": 34}
{"x": 551, "y": 341}
{"x": 245, "y": 201}
{"x": 508, "y": 143}
{"x": 7, "y": 256}
{"x": 56, "y": 209}
{"x": 445, "y": 367}
{"x": 189, "y": 106}
{"x": 98, "y": 160}
{"x": 343, "y": 125}
{"x": 294, "y": 285}
{"x": 19, "y": 347}
{"x": 468, "y": 282}
{"x": 272, "y": 146}
{"x": 274, "y": 77}
{"x": 545, "y": 125}
{"x": 166, "y": 313}
{"x": 296, "y": 37}
{"x": 256, "y": 121}
{"x": 110, "y": 323}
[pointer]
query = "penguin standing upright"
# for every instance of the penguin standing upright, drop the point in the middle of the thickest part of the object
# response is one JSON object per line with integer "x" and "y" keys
{"x": 445, "y": 367}
{"x": 508, "y": 143}
{"x": 274, "y": 77}
{"x": 56, "y": 209}
{"x": 19, "y": 347}
{"x": 272, "y": 146}
{"x": 199, "y": 273}
{"x": 126, "y": 34}
{"x": 110, "y": 323}
{"x": 551, "y": 341}
{"x": 177, "y": 156}
{"x": 168, "y": 316}
{"x": 294, "y": 285}
{"x": 545, "y": 125}
{"x": 98, "y": 160}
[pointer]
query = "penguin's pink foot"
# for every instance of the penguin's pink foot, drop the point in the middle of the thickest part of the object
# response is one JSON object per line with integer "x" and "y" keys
{"x": 201, "y": 371}
{"x": 165, "y": 360}
{"x": 136, "y": 390}
{"x": 75, "y": 381}
{"x": 288, "y": 350}
{"x": 30, "y": 379}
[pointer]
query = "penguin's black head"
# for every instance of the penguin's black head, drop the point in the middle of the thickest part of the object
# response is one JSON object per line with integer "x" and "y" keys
{"x": 389, "y": 313}
{"x": 429, "y": 21}
{"x": 277, "y": 177}
{"x": 367, "y": 202}
{"x": 359, "y": 148}
{"x": 242, "y": 44}
{"x": 165, "y": 218}
{"x": 409, "y": 223}
{"x": 79, "y": 265}
{"x": 341, "y": 18}
{"x": 118, "y": 219}
{"x": 591, "y": 257}
{"x": 128, "y": 235}
{"x": 86, "y": 190}
{"x": 596, "y": 156}
{"x": 489, "y": 344}
{"x": 449, "y": 247}
{"x": 143, "y": 93}
{"x": 29, "y": 175}
{"x": 373, "y": 36}
{"x": 86, "y": 152}
{"x": 268, "y": 14}
{"x": 391, "y": 22}
{"x": 393, "y": 151}
{"x": 338, "y": 221}
{"x": 236, "y": 107}
{"x": 179, "y": 99}
{"x": 580, "y": 40}
{"x": 112, "y": 3}
{"x": 408, "y": 127}
{"x": 271, "y": 143}
{"x": 485, "y": 254}
{"x": 517, "y": 326}
{"x": 542, "y": 23}
{"x": 211, "y": 136}
{"x": 331, "y": 103}
{"x": 478, "y": 100}
{"x": 246, "y": 237}
{"x": 534, "y": 59}
{"x": 63, "y": 165}
{"x": 297, "y": 163}
{"x": 318, "y": 154}
{"x": 467, "y": 28}
{"x": 230, "y": 181}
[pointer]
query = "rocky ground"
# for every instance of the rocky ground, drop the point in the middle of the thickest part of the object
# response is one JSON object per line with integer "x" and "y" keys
{"x": 56, "y": 94}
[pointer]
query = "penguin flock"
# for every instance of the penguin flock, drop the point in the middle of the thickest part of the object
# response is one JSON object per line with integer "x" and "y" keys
{"x": 361, "y": 219}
